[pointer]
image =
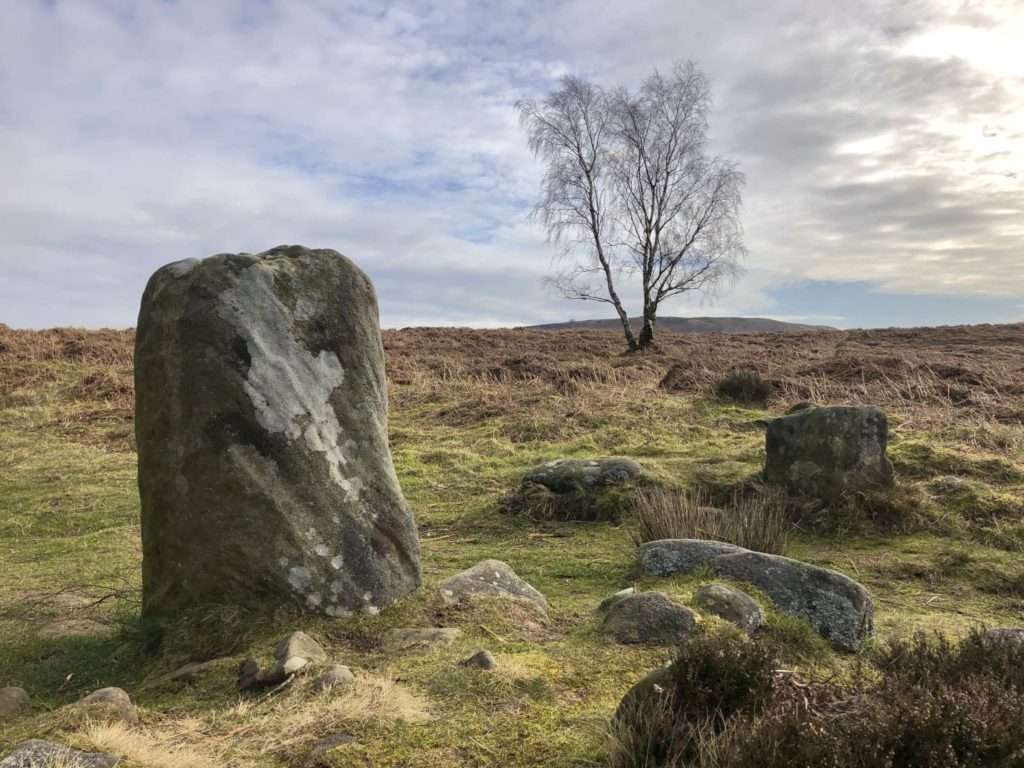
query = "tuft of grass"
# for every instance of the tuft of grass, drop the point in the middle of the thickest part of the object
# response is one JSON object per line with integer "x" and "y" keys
{"x": 744, "y": 386}
{"x": 757, "y": 521}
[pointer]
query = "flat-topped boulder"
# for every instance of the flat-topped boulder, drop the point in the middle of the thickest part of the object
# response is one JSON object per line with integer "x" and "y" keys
{"x": 494, "y": 579}
{"x": 839, "y": 609}
{"x": 577, "y": 489}
{"x": 829, "y": 451}
{"x": 261, "y": 421}
{"x": 647, "y": 618}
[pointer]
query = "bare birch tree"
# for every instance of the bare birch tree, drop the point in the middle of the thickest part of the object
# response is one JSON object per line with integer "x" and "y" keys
{"x": 630, "y": 190}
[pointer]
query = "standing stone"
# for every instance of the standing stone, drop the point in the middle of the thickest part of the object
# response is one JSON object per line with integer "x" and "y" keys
{"x": 13, "y": 702}
{"x": 261, "y": 422}
{"x": 827, "y": 452}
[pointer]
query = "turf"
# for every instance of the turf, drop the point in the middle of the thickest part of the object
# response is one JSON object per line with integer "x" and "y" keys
{"x": 471, "y": 412}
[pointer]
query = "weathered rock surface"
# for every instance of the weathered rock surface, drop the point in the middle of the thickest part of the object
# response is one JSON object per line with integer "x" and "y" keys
{"x": 612, "y": 599}
{"x": 13, "y": 702}
{"x": 491, "y": 578}
{"x": 482, "y": 659}
{"x": 730, "y": 604}
{"x": 649, "y": 618}
{"x": 261, "y": 421}
{"x": 43, "y": 754}
{"x": 300, "y": 644}
{"x": 657, "y": 684}
{"x": 668, "y": 556}
{"x": 419, "y": 638}
{"x": 838, "y": 608}
{"x": 110, "y": 704}
{"x": 1005, "y": 635}
{"x": 576, "y": 489}
{"x": 335, "y": 676}
{"x": 827, "y": 452}
{"x": 297, "y": 652}
{"x": 571, "y": 475}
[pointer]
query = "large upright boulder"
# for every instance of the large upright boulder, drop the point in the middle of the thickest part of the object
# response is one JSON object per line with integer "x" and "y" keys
{"x": 827, "y": 452}
{"x": 261, "y": 422}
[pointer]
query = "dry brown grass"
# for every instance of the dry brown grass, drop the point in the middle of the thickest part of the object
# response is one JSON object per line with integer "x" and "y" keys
{"x": 757, "y": 521}
{"x": 932, "y": 377}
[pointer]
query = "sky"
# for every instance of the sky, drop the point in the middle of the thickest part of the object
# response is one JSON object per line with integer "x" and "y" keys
{"x": 882, "y": 143}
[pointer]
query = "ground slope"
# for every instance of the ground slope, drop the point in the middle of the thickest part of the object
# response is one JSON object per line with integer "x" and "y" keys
{"x": 470, "y": 412}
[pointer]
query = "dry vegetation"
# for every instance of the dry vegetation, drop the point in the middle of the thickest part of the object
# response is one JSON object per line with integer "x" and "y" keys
{"x": 471, "y": 411}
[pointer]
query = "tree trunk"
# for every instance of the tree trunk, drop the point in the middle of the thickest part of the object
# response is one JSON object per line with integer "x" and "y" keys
{"x": 631, "y": 342}
{"x": 647, "y": 331}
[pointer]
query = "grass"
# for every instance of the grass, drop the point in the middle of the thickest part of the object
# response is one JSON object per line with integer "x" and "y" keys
{"x": 470, "y": 414}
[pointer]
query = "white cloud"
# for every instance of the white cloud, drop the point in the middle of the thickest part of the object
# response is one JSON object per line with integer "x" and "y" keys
{"x": 879, "y": 140}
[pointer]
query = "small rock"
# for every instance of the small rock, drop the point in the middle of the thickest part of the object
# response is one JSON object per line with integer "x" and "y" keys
{"x": 293, "y": 664}
{"x": 611, "y": 600}
{"x": 649, "y": 618}
{"x": 415, "y": 638}
{"x": 13, "y": 701}
{"x": 302, "y": 645}
{"x": 335, "y": 676}
{"x": 108, "y": 704}
{"x": 730, "y": 604}
{"x": 1005, "y": 635}
{"x": 482, "y": 659}
{"x": 491, "y": 578}
{"x": 38, "y": 753}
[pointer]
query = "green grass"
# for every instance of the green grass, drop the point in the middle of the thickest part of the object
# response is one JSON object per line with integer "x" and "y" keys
{"x": 69, "y": 521}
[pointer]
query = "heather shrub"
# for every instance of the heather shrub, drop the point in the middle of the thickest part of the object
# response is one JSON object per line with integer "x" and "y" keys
{"x": 926, "y": 702}
{"x": 746, "y": 387}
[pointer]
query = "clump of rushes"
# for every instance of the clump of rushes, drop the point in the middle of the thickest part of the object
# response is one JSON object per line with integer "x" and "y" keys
{"x": 756, "y": 520}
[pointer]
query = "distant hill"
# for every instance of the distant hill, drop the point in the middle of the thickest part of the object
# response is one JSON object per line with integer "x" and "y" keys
{"x": 691, "y": 325}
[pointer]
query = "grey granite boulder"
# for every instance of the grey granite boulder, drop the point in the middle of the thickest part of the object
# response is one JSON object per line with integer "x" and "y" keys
{"x": 106, "y": 704}
{"x": 44, "y": 754}
{"x": 336, "y": 676}
{"x": 569, "y": 475}
{"x": 648, "y": 618}
{"x": 576, "y": 489}
{"x": 261, "y": 421}
{"x": 838, "y": 608}
{"x": 490, "y": 578}
{"x": 730, "y": 604}
{"x": 1012, "y": 635}
{"x": 13, "y": 702}
{"x": 300, "y": 644}
{"x": 668, "y": 556}
{"x": 827, "y": 452}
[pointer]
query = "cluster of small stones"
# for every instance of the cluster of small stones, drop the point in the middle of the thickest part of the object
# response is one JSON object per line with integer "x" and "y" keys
{"x": 653, "y": 618}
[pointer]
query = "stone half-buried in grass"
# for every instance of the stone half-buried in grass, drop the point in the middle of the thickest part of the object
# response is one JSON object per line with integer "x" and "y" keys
{"x": 578, "y": 489}
{"x": 37, "y": 753}
{"x": 839, "y": 609}
{"x": 646, "y": 618}
{"x": 490, "y": 579}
